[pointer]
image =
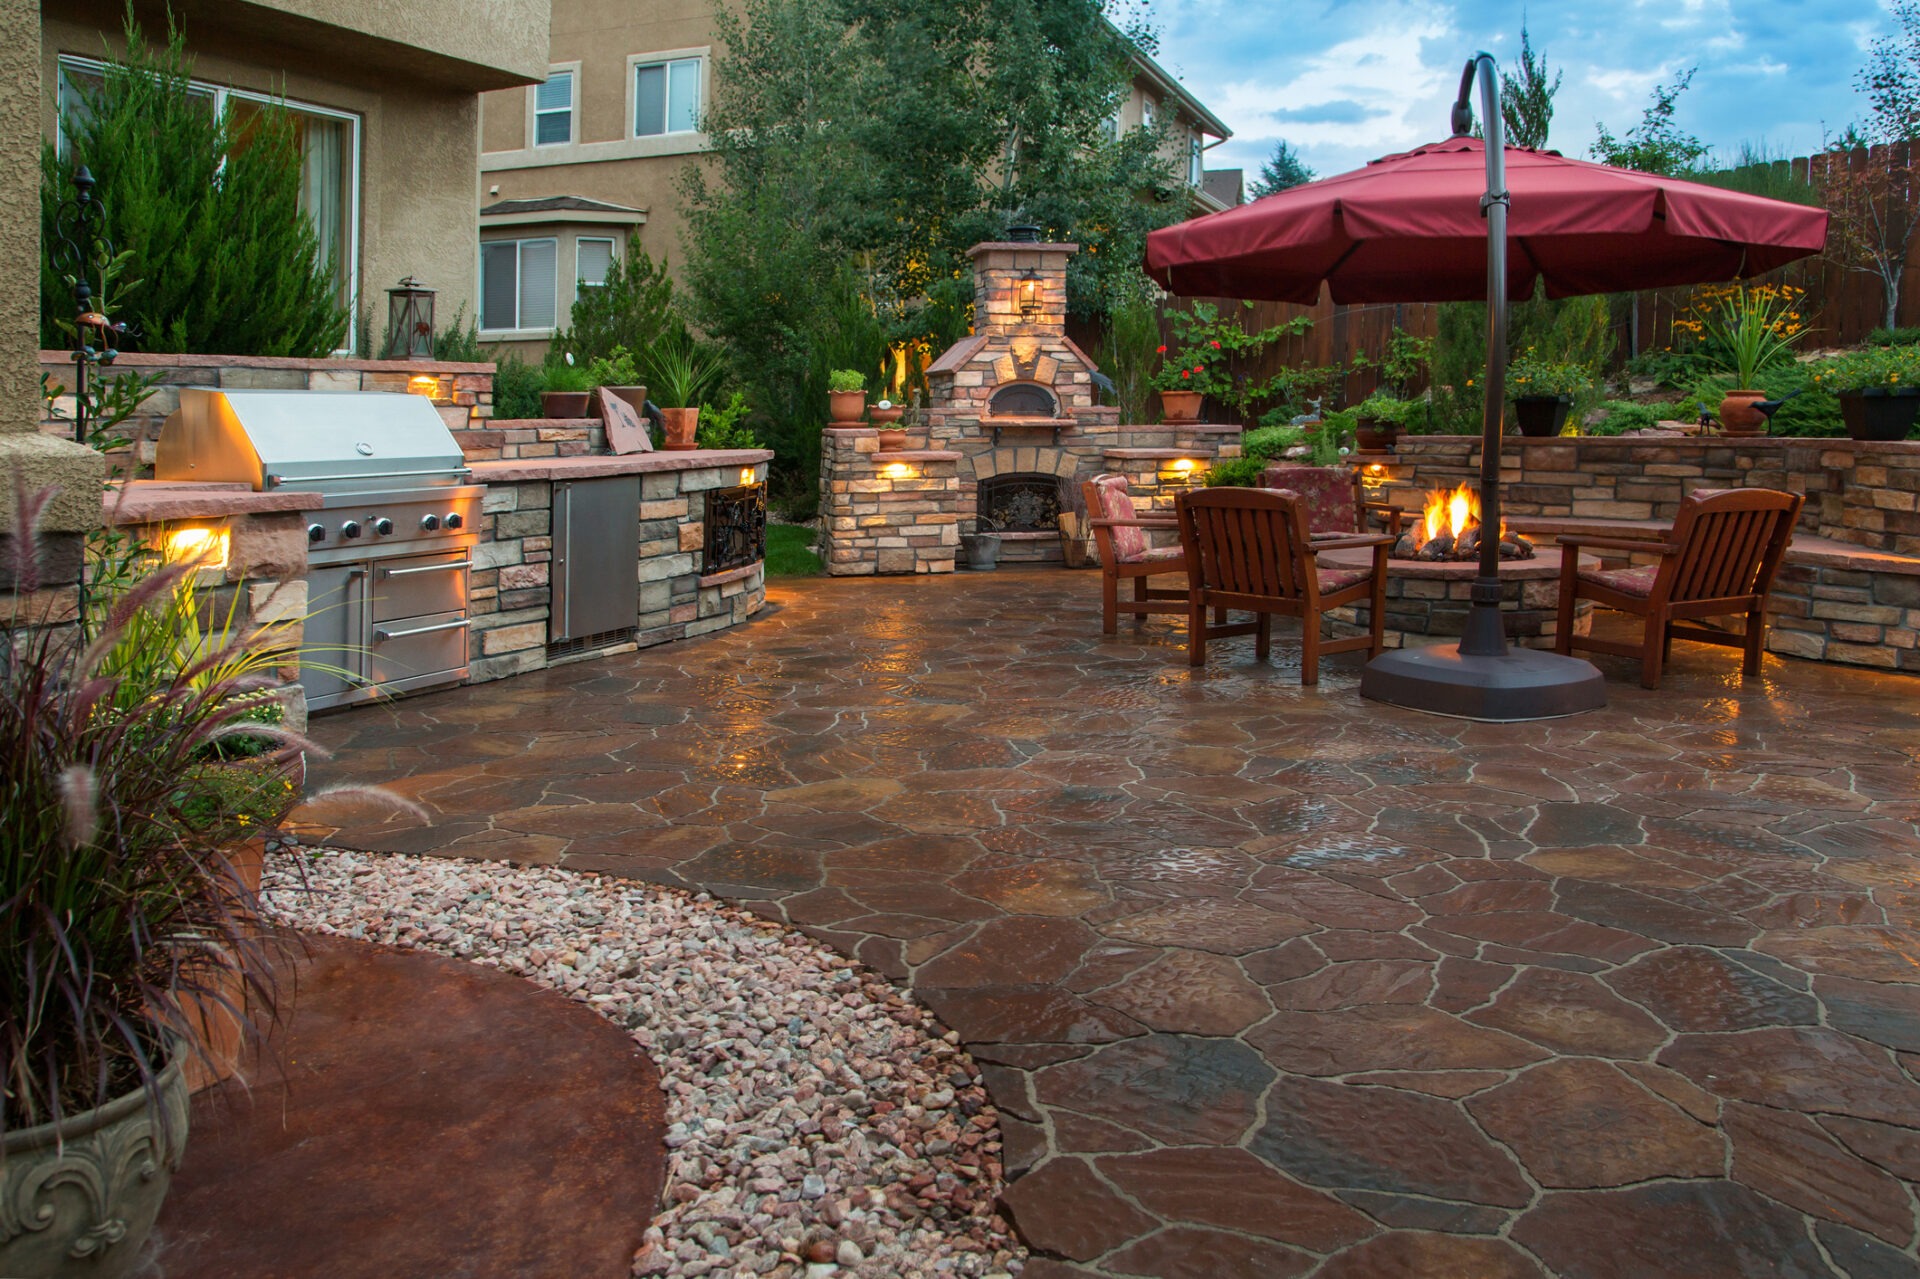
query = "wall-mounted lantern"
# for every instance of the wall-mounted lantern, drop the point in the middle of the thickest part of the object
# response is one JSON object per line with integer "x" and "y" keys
{"x": 409, "y": 322}
{"x": 1027, "y": 296}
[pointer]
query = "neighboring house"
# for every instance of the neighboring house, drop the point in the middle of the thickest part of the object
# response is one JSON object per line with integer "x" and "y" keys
{"x": 385, "y": 93}
{"x": 569, "y": 167}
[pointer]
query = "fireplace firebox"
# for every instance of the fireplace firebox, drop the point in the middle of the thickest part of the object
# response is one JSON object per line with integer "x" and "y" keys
{"x": 1020, "y": 504}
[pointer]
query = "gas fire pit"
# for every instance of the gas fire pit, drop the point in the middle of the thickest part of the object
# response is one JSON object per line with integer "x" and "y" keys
{"x": 1448, "y": 531}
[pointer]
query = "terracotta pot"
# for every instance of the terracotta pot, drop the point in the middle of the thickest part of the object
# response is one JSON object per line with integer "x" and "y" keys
{"x": 1541, "y": 416}
{"x": 1739, "y": 417}
{"x": 635, "y": 396}
{"x": 1374, "y": 436}
{"x": 1181, "y": 406}
{"x": 892, "y": 441}
{"x": 846, "y": 407}
{"x": 1879, "y": 415}
{"x": 881, "y": 417}
{"x": 679, "y": 426}
{"x": 565, "y": 403}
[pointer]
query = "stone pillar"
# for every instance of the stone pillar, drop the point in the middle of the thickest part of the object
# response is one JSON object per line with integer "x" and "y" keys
{"x": 41, "y": 461}
{"x": 888, "y": 513}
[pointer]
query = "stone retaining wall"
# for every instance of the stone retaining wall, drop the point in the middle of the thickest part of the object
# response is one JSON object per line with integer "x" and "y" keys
{"x": 888, "y": 512}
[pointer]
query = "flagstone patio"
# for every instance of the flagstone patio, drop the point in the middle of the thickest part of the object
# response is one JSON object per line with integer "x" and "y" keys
{"x": 1272, "y": 981}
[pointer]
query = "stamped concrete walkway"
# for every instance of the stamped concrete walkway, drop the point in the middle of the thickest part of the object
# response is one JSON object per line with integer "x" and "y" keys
{"x": 1275, "y": 981}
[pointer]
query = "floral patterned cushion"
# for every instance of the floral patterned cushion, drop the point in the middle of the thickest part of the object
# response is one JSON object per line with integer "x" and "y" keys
{"x": 1129, "y": 543}
{"x": 1326, "y": 490}
{"x": 1628, "y": 581}
{"x": 1339, "y": 579}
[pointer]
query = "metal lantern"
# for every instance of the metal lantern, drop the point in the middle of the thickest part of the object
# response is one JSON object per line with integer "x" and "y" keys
{"x": 409, "y": 322}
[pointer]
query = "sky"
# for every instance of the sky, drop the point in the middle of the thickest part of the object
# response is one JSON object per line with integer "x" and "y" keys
{"x": 1346, "y": 82}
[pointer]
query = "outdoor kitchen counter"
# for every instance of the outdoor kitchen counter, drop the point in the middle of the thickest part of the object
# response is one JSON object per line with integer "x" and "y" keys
{"x": 156, "y": 501}
{"x": 580, "y": 468}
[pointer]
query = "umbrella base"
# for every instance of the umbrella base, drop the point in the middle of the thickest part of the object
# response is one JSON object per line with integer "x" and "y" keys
{"x": 1521, "y": 684}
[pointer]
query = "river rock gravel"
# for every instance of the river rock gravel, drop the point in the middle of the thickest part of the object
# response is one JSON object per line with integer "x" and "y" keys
{"x": 821, "y": 1122}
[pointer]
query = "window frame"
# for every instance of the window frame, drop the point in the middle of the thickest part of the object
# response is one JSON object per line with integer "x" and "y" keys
{"x": 221, "y": 94}
{"x": 534, "y": 112}
{"x": 613, "y": 255}
{"x": 667, "y": 59}
{"x": 518, "y": 330}
{"x": 1196, "y": 160}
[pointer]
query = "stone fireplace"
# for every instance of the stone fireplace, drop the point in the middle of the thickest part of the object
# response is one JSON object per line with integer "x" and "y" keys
{"x": 1013, "y": 416}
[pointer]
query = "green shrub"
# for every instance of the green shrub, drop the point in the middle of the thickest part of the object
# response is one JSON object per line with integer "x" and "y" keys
{"x": 1876, "y": 367}
{"x": 725, "y": 426}
{"x": 516, "y": 388}
{"x": 1268, "y": 442}
{"x": 1811, "y": 411}
{"x": 1128, "y": 356}
{"x": 1626, "y": 415}
{"x": 206, "y": 210}
{"x": 1235, "y": 472}
{"x": 1894, "y": 337}
{"x": 841, "y": 381}
{"x": 459, "y": 342}
{"x": 632, "y": 310}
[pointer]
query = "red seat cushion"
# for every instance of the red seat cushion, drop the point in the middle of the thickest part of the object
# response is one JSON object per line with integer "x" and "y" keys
{"x": 1637, "y": 582}
{"x": 1339, "y": 579}
{"x": 1326, "y": 492}
{"x": 1129, "y": 543}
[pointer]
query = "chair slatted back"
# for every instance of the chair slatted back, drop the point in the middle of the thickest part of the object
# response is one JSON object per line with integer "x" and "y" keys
{"x": 1730, "y": 543}
{"x": 1248, "y": 542}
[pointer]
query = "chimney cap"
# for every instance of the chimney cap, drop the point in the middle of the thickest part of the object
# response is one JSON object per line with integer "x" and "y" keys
{"x": 1023, "y": 233}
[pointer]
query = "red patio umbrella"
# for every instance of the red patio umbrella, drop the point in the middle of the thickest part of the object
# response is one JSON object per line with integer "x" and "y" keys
{"x": 1409, "y": 228}
{"x": 1463, "y": 220}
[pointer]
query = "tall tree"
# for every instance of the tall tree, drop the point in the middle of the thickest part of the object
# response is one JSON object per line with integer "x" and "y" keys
{"x": 1283, "y": 169}
{"x": 1657, "y": 144}
{"x": 1868, "y": 177}
{"x": 1526, "y": 97}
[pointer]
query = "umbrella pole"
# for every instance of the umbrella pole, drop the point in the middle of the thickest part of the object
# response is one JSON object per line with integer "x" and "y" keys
{"x": 1485, "y": 634}
{"x": 1483, "y": 678}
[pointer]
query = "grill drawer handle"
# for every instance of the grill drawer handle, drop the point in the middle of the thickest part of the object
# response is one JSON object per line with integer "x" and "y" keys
{"x": 421, "y": 630}
{"x": 430, "y": 568}
{"x": 275, "y": 481}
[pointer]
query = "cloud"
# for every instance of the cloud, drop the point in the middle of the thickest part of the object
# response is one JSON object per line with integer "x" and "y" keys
{"x": 1347, "y": 112}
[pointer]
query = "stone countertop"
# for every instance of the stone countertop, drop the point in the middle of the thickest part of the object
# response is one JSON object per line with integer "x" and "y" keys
{"x": 579, "y": 468}
{"x": 155, "y": 501}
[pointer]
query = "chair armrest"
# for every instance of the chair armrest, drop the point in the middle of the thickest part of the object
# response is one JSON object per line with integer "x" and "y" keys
{"x": 1385, "y": 508}
{"x": 1644, "y": 545}
{"x": 1349, "y": 540}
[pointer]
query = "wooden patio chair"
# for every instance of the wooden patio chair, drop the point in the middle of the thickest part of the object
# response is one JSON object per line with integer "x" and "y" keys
{"x": 1120, "y": 535}
{"x": 1250, "y": 549}
{"x": 1719, "y": 558}
{"x": 1337, "y": 504}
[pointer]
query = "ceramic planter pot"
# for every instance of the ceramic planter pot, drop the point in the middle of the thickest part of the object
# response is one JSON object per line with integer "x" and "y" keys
{"x": 1738, "y": 417}
{"x": 82, "y": 1194}
{"x": 565, "y": 403}
{"x": 678, "y": 427}
{"x": 885, "y": 417}
{"x": 1181, "y": 406}
{"x": 1879, "y": 415}
{"x": 1374, "y": 436}
{"x": 635, "y": 396}
{"x": 892, "y": 441}
{"x": 846, "y": 407}
{"x": 1541, "y": 416}
{"x": 982, "y": 550}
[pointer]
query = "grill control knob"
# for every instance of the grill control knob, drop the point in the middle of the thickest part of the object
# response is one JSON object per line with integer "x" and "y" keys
{"x": 429, "y": 522}
{"x": 455, "y": 519}
{"x": 383, "y": 526}
{"x": 316, "y": 532}
{"x": 351, "y": 529}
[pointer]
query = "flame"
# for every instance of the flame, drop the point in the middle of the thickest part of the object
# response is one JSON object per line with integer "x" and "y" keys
{"x": 1452, "y": 513}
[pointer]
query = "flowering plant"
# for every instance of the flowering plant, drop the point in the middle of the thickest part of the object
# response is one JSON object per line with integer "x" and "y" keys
{"x": 1203, "y": 347}
{"x": 1753, "y": 328}
{"x": 1882, "y": 369}
{"x": 1529, "y": 374}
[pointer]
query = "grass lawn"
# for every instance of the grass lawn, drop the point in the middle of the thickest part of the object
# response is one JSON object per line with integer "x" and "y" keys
{"x": 789, "y": 551}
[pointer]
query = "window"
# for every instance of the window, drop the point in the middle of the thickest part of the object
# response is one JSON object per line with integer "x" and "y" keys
{"x": 519, "y": 282}
{"x": 553, "y": 110}
{"x": 1146, "y": 114}
{"x": 1196, "y": 157}
{"x": 666, "y": 97}
{"x": 591, "y": 258}
{"x": 1110, "y": 127}
{"x": 329, "y": 144}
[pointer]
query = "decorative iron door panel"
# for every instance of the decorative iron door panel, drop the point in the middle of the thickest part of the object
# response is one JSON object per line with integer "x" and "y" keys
{"x": 736, "y": 526}
{"x": 1020, "y": 503}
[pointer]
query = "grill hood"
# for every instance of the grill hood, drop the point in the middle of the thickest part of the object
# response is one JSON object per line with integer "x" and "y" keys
{"x": 326, "y": 441}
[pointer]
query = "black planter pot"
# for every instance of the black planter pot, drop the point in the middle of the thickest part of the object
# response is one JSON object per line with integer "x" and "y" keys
{"x": 1541, "y": 416}
{"x": 1372, "y": 436}
{"x": 1879, "y": 415}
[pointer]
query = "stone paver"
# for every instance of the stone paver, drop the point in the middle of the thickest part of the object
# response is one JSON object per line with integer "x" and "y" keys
{"x": 1270, "y": 980}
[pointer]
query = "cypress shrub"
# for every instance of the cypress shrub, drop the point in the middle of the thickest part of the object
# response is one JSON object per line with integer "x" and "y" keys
{"x": 204, "y": 211}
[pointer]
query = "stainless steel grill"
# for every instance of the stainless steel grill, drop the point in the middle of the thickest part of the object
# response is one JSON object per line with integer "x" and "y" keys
{"x": 391, "y": 549}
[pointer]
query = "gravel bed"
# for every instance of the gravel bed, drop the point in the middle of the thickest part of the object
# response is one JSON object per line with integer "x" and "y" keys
{"x": 821, "y": 1122}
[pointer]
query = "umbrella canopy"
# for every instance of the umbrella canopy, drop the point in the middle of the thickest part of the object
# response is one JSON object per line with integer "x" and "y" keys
{"x": 1409, "y": 228}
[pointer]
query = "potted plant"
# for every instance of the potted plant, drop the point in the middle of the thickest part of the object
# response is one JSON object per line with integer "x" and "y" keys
{"x": 1749, "y": 331}
{"x": 1878, "y": 390}
{"x": 1542, "y": 392}
{"x": 846, "y": 397}
{"x": 567, "y": 390}
{"x": 685, "y": 371}
{"x": 122, "y": 915}
{"x": 1204, "y": 347}
{"x": 1377, "y": 421}
{"x": 618, "y": 375}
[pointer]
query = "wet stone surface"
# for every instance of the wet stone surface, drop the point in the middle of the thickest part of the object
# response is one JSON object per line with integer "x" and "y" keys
{"x": 1271, "y": 980}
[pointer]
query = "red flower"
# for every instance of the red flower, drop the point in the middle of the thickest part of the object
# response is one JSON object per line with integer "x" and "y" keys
{"x": 1184, "y": 373}
{"x": 1160, "y": 350}
{"x": 1214, "y": 345}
